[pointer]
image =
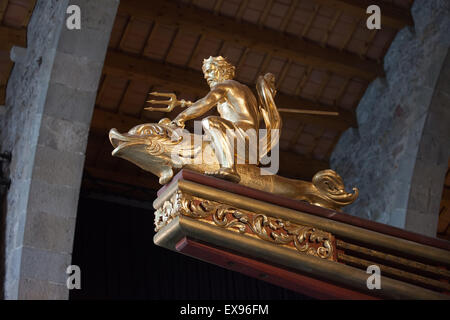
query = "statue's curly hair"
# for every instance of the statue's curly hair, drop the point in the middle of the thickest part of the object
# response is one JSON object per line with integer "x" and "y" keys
{"x": 227, "y": 70}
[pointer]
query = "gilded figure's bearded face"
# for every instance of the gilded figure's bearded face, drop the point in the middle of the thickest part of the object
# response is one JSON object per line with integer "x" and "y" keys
{"x": 216, "y": 70}
{"x": 211, "y": 73}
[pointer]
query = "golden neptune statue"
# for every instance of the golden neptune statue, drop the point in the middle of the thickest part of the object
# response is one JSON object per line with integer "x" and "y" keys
{"x": 234, "y": 147}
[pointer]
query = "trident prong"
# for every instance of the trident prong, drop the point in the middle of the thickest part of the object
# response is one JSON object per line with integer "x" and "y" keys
{"x": 172, "y": 102}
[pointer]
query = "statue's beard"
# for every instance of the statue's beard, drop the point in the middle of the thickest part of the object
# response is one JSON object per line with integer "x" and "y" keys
{"x": 212, "y": 83}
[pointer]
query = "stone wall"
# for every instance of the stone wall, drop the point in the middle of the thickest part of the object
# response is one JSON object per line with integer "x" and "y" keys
{"x": 393, "y": 157}
{"x": 49, "y": 104}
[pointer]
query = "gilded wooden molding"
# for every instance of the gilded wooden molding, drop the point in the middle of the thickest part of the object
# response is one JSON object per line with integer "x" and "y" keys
{"x": 183, "y": 226}
{"x": 340, "y": 230}
{"x": 305, "y": 239}
{"x": 390, "y": 258}
{"x": 395, "y": 273}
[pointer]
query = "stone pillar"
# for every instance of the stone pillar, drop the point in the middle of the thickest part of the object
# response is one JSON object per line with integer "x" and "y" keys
{"x": 427, "y": 182}
{"x": 50, "y": 99}
{"x": 392, "y": 157}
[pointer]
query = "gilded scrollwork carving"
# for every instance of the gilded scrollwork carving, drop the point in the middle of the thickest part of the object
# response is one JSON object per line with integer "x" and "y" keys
{"x": 304, "y": 239}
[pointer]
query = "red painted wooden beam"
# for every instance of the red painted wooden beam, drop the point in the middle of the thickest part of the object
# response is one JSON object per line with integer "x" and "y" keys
{"x": 281, "y": 277}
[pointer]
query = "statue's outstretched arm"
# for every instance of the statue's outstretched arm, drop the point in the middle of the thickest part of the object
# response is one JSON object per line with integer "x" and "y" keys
{"x": 201, "y": 106}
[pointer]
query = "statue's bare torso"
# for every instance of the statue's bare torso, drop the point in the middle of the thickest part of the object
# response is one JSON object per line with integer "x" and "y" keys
{"x": 238, "y": 105}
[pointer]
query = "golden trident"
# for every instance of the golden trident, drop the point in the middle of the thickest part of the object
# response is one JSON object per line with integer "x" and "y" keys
{"x": 172, "y": 102}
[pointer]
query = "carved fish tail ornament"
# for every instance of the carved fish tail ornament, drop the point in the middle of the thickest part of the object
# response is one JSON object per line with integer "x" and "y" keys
{"x": 331, "y": 187}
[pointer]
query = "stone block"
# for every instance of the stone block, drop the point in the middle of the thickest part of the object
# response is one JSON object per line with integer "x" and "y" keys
{"x": 54, "y": 199}
{"x": 435, "y": 62}
{"x": 18, "y": 194}
{"x": 63, "y": 135}
{"x": 15, "y": 229}
{"x": 398, "y": 195}
{"x": 44, "y": 265}
{"x": 58, "y": 167}
{"x": 69, "y": 104}
{"x": 50, "y": 97}
{"x": 434, "y": 150}
{"x": 49, "y": 232}
{"x": 395, "y": 58}
{"x": 89, "y": 43}
{"x": 438, "y": 119}
{"x": 18, "y": 54}
{"x": 32, "y": 289}
{"x": 431, "y": 17}
{"x": 15, "y": 219}
{"x": 75, "y": 72}
{"x": 444, "y": 76}
{"x": 46, "y": 22}
{"x": 418, "y": 199}
{"x": 11, "y": 289}
{"x": 421, "y": 223}
{"x": 397, "y": 218}
{"x": 12, "y": 264}
{"x": 21, "y": 166}
{"x": 99, "y": 14}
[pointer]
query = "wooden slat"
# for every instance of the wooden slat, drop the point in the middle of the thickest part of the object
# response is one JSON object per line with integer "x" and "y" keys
{"x": 350, "y": 35}
{"x": 29, "y": 13}
{"x": 241, "y": 9}
{"x": 303, "y": 80}
{"x": 3, "y": 82}
{"x": 2, "y": 97}
{"x": 284, "y": 72}
{"x": 310, "y": 20}
{"x": 3, "y": 5}
{"x": 149, "y": 38}
{"x": 294, "y": 139}
{"x": 391, "y": 15}
{"x": 174, "y": 37}
{"x": 242, "y": 58}
{"x": 324, "y": 84}
{"x": 263, "y": 67}
{"x": 267, "y": 8}
{"x": 217, "y": 6}
{"x": 342, "y": 91}
{"x": 122, "y": 98}
{"x": 126, "y": 33}
{"x": 446, "y": 193}
{"x": 287, "y": 19}
{"x": 330, "y": 27}
{"x": 194, "y": 54}
{"x": 250, "y": 35}
{"x": 308, "y": 286}
{"x": 12, "y": 37}
{"x": 368, "y": 42}
{"x": 180, "y": 79}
